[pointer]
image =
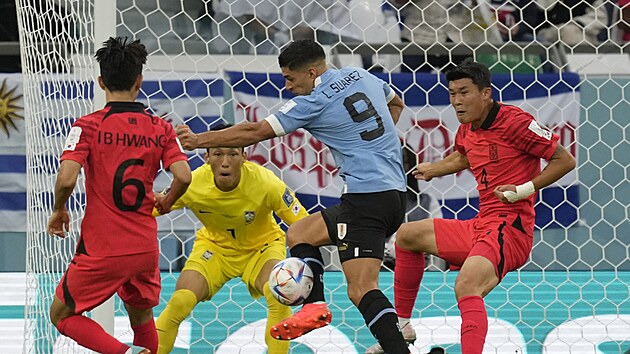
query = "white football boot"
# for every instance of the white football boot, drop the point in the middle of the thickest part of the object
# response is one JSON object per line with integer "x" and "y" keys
{"x": 409, "y": 334}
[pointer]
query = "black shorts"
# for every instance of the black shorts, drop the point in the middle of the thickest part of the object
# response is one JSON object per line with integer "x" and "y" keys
{"x": 362, "y": 222}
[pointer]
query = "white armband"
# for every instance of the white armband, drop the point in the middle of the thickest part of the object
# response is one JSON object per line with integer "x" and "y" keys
{"x": 523, "y": 191}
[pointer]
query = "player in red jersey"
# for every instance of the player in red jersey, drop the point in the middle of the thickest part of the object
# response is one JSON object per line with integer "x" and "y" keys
{"x": 120, "y": 149}
{"x": 503, "y": 146}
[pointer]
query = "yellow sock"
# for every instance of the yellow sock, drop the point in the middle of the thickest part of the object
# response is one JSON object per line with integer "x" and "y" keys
{"x": 178, "y": 308}
{"x": 276, "y": 312}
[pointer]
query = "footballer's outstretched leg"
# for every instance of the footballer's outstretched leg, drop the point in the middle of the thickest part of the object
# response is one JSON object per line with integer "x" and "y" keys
{"x": 310, "y": 317}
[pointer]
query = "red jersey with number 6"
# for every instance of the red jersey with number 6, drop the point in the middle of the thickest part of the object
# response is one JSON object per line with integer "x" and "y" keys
{"x": 506, "y": 149}
{"x": 120, "y": 148}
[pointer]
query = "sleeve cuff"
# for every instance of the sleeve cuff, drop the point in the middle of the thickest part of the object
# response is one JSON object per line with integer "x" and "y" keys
{"x": 391, "y": 95}
{"x": 275, "y": 125}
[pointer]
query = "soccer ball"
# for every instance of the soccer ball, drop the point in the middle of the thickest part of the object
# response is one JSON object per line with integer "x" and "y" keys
{"x": 291, "y": 281}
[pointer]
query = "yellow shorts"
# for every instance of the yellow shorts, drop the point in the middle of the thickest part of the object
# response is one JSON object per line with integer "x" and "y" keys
{"x": 218, "y": 269}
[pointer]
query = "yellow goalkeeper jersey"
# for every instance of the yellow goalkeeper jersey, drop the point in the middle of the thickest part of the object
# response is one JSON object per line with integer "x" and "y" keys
{"x": 241, "y": 220}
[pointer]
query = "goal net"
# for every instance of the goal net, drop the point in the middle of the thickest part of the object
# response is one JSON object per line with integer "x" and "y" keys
{"x": 216, "y": 60}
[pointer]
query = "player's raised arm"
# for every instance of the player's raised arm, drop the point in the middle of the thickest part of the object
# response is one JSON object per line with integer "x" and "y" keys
{"x": 453, "y": 163}
{"x": 239, "y": 135}
{"x": 59, "y": 220}
{"x": 560, "y": 163}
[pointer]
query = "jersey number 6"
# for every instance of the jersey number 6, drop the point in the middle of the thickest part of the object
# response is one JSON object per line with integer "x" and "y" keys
{"x": 120, "y": 184}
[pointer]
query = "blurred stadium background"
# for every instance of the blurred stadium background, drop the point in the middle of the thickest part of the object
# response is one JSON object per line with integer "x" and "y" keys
{"x": 213, "y": 59}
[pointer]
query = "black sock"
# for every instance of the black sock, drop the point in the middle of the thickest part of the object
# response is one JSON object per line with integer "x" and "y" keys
{"x": 313, "y": 257}
{"x": 380, "y": 316}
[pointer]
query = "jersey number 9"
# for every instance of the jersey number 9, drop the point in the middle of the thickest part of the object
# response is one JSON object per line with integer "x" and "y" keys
{"x": 361, "y": 116}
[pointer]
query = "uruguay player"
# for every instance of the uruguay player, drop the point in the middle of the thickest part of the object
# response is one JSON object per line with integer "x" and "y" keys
{"x": 354, "y": 113}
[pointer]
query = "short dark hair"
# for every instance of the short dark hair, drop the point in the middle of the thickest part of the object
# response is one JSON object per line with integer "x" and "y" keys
{"x": 469, "y": 69}
{"x": 301, "y": 53}
{"x": 121, "y": 62}
{"x": 222, "y": 126}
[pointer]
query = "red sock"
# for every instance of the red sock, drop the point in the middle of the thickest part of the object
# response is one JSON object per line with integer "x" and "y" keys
{"x": 146, "y": 336}
{"x": 90, "y": 334}
{"x": 474, "y": 324}
{"x": 408, "y": 274}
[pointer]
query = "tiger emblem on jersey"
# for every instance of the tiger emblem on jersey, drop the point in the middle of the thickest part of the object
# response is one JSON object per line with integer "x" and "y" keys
{"x": 249, "y": 216}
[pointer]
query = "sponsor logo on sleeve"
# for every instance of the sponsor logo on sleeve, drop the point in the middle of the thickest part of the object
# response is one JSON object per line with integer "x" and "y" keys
{"x": 287, "y": 197}
{"x": 543, "y": 133}
{"x": 73, "y": 138}
{"x": 206, "y": 255}
{"x": 287, "y": 106}
{"x": 296, "y": 208}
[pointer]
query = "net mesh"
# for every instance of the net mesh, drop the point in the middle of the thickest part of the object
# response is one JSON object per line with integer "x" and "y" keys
{"x": 213, "y": 59}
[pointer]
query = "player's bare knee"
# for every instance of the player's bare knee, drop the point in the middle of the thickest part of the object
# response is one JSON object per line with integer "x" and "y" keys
{"x": 54, "y": 317}
{"x": 300, "y": 232}
{"x": 416, "y": 236}
{"x": 355, "y": 295}
{"x": 137, "y": 316}
{"x": 263, "y": 276}
{"x": 356, "y": 292}
{"x": 59, "y": 311}
{"x": 463, "y": 287}
{"x": 470, "y": 286}
{"x": 311, "y": 230}
{"x": 294, "y": 237}
{"x": 407, "y": 237}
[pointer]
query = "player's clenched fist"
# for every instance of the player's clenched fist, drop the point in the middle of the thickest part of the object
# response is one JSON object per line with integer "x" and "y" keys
{"x": 422, "y": 172}
{"x": 186, "y": 137}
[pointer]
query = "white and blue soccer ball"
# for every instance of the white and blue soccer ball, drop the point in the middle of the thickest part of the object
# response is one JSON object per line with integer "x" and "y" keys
{"x": 291, "y": 281}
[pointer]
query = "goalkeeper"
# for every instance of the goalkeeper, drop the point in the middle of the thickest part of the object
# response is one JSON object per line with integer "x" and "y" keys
{"x": 235, "y": 200}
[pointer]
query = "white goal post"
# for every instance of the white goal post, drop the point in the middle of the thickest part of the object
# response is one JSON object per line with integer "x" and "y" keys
{"x": 104, "y": 27}
{"x": 208, "y": 59}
